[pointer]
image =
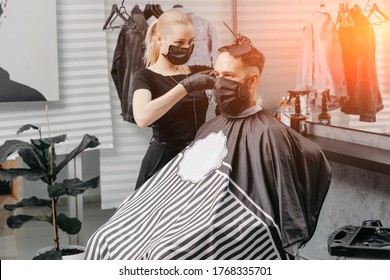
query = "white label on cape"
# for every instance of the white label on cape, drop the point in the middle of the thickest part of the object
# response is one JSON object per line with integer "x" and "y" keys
{"x": 204, "y": 156}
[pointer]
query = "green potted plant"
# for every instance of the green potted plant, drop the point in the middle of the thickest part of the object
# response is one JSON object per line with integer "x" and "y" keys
{"x": 40, "y": 157}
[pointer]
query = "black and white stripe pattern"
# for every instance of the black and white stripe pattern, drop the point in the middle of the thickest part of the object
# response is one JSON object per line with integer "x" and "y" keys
{"x": 172, "y": 218}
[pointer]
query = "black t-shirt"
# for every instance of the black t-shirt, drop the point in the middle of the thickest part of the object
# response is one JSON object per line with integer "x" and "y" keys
{"x": 182, "y": 121}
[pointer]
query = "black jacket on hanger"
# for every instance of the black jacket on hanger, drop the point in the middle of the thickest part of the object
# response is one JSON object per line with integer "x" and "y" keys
{"x": 128, "y": 58}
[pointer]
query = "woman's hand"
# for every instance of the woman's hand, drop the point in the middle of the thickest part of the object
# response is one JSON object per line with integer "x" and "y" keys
{"x": 199, "y": 81}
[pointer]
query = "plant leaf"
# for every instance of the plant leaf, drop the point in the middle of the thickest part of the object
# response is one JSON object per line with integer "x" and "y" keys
{"x": 33, "y": 158}
{"x": 26, "y": 127}
{"x": 17, "y": 221}
{"x": 49, "y": 255}
{"x": 76, "y": 186}
{"x": 88, "y": 141}
{"x": 12, "y": 173}
{"x": 55, "y": 140}
{"x": 37, "y": 143}
{"x": 56, "y": 190}
{"x": 28, "y": 202}
{"x": 11, "y": 146}
{"x": 68, "y": 225}
{"x": 45, "y": 143}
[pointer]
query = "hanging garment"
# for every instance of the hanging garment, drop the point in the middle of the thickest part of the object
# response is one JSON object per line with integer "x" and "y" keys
{"x": 246, "y": 188}
{"x": 128, "y": 57}
{"x": 320, "y": 62}
{"x": 358, "y": 45}
{"x": 206, "y": 40}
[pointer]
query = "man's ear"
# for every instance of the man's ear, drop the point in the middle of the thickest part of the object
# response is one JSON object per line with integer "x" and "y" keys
{"x": 254, "y": 80}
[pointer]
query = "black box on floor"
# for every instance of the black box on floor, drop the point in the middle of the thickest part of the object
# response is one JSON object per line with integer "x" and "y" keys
{"x": 369, "y": 242}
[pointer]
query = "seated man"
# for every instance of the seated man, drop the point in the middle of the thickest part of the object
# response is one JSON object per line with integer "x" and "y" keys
{"x": 248, "y": 187}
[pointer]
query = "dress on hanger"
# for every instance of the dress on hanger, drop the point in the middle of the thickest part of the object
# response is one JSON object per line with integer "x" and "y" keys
{"x": 358, "y": 46}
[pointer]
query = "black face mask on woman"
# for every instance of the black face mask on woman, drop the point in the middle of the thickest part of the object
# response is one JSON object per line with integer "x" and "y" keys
{"x": 232, "y": 97}
{"x": 177, "y": 55}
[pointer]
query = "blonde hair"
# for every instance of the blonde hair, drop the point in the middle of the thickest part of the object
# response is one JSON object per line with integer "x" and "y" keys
{"x": 162, "y": 26}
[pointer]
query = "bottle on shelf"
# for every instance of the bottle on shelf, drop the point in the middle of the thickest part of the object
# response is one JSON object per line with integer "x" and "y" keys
{"x": 324, "y": 117}
{"x": 281, "y": 109}
{"x": 297, "y": 120}
{"x": 306, "y": 109}
{"x": 288, "y": 110}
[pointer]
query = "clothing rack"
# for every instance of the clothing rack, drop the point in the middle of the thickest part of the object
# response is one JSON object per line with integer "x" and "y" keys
{"x": 344, "y": 17}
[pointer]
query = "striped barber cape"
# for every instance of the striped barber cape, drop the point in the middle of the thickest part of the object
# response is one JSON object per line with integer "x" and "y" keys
{"x": 236, "y": 192}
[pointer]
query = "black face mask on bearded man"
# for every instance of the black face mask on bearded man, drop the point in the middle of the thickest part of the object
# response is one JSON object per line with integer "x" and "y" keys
{"x": 232, "y": 97}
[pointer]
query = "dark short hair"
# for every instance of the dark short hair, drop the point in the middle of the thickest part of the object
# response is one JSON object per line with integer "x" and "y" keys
{"x": 250, "y": 56}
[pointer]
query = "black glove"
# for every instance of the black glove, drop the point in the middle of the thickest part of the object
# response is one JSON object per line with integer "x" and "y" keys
{"x": 199, "y": 81}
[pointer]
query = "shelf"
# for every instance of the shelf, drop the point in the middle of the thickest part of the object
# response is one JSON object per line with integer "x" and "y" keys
{"x": 356, "y": 155}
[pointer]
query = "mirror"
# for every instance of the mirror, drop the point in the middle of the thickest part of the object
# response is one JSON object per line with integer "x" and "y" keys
{"x": 277, "y": 30}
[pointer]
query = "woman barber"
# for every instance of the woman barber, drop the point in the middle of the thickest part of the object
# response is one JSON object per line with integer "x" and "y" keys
{"x": 167, "y": 95}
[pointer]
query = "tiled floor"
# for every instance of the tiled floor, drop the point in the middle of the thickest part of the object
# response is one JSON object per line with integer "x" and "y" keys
{"x": 22, "y": 243}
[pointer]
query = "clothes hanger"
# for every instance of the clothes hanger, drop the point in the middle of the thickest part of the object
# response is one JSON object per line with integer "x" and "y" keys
{"x": 161, "y": 11}
{"x": 152, "y": 10}
{"x": 117, "y": 12}
{"x": 122, "y": 10}
{"x": 344, "y": 17}
{"x": 148, "y": 11}
{"x": 113, "y": 15}
{"x": 368, "y": 7}
{"x": 355, "y": 6}
{"x": 340, "y": 15}
{"x": 177, "y": 5}
{"x": 374, "y": 10}
{"x": 158, "y": 11}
